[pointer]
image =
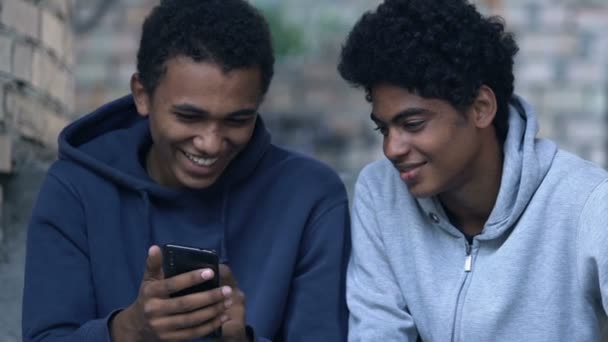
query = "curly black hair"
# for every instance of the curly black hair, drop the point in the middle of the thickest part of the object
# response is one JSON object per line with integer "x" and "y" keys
{"x": 441, "y": 49}
{"x": 229, "y": 33}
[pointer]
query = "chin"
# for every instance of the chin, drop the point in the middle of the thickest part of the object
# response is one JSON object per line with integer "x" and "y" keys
{"x": 418, "y": 191}
{"x": 197, "y": 184}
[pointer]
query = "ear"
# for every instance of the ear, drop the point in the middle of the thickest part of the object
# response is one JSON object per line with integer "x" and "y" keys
{"x": 140, "y": 96}
{"x": 484, "y": 107}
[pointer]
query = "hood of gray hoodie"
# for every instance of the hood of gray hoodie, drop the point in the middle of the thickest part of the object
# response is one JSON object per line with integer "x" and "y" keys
{"x": 526, "y": 162}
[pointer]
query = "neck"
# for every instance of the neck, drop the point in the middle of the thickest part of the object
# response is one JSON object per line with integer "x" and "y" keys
{"x": 470, "y": 205}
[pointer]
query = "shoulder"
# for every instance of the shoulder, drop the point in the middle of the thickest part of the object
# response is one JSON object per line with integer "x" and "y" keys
{"x": 571, "y": 172}
{"x": 378, "y": 172}
{"x": 75, "y": 178}
{"x": 291, "y": 166}
{"x": 380, "y": 180}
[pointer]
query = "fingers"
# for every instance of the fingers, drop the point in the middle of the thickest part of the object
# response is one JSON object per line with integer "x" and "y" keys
{"x": 163, "y": 288}
{"x": 154, "y": 262}
{"x": 189, "y": 303}
{"x": 191, "y": 319}
{"x": 226, "y": 276}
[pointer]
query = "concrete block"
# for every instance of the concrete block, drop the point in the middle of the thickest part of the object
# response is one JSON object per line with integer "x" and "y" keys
{"x": 545, "y": 45}
{"x": 5, "y": 53}
{"x": 70, "y": 94}
{"x": 43, "y": 71}
{"x": 68, "y": 49}
{"x": 54, "y": 125}
{"x": 579, "y": 72}
{"x": 21, "y": 16}
{"x": 34, "y": 120}
{"x": 2, "y": 220}
{"x": 58, "y": 85}
{"x": 52, "y": 33}
{"x": 592, "y": 18}
{"x": 561, "y": 99}
{"x": 59, "y": 7}
{"x": 595, "y": 102}
{"x": 6, "y": 156}
{"x": 582, "y": 129}
{"x": 554, "y": 17}
{"x": 599, "y": 156}
{"x": 516, "y": 17}
{"x": 598, "y": 50}
{"x": 535, "y": 71}
{"x": 23, "y": 61}
{"x": 2, "y": 108}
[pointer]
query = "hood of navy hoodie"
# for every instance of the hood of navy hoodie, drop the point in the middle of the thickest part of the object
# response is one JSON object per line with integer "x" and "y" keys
{"x": 113, "y": 142}
{"x": 526, "y": 161}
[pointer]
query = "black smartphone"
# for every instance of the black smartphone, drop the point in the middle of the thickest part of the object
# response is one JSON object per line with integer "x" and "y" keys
{"x": 179, "y": 259}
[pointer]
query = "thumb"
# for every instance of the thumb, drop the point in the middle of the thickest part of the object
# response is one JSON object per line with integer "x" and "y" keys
{"x": 154, "y": 262}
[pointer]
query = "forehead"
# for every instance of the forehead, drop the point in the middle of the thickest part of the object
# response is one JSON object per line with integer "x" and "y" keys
{"x": 390, "y": 100}
{"x": 186, "y": 80}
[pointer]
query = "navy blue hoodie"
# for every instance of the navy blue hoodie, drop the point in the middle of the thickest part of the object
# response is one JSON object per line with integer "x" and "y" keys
{"x": 279, "y": 219}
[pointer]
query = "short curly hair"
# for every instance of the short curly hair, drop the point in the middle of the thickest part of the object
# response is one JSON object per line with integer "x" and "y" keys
{"x": 229, "y": 33}
{"x": 441, "y": 49}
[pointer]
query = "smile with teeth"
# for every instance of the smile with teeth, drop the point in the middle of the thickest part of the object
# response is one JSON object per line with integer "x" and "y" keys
{"x": 200, "y": 160}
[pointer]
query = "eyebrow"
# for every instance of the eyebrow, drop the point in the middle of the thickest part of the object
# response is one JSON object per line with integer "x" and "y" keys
{"x": 402, "y": 115}
{"x": 191, "y": 109}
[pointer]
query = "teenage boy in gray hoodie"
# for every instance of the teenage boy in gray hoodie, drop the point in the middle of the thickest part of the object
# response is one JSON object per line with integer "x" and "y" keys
{"x": 471, "y": 229}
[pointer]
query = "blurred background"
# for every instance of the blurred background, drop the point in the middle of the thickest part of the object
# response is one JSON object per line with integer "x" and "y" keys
{"x": 60, "y": 59}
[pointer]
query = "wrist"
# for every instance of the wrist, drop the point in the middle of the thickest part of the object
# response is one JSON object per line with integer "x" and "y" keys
{"x": 242, "y": 335}
{"x": 122, "y": 328}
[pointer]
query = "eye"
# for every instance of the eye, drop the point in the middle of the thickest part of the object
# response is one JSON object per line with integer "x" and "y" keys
{"x": 238, "y": 121}
{"x": 382, "y": 129}
{"x": 186, "y": 117}
{"x": 413, "y": 126}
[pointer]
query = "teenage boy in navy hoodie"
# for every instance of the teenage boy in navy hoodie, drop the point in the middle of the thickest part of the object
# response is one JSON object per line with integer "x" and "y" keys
{"x": 186, "y": 159}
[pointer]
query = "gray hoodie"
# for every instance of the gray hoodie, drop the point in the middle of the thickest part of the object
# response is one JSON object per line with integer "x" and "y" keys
{"x": 537, "y": 272}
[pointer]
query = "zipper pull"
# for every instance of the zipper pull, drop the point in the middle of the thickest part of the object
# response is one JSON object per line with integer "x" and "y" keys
{"x": 468, "y": 260}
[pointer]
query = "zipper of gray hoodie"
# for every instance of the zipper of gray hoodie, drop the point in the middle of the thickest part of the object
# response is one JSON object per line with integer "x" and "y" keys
{"x": 468, "y": 265}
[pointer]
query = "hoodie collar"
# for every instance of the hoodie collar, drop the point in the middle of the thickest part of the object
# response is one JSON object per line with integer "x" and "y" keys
{"x": 113, "y": 140}
{"x": 526, "y": 162}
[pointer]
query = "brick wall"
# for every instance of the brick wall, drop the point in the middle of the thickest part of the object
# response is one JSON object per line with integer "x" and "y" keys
{"x": 36, "y": 97}
{"x": 562, "y": 69}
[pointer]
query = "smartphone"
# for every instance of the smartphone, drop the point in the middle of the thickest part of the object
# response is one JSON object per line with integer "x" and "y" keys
{"x": 179, "y": 259}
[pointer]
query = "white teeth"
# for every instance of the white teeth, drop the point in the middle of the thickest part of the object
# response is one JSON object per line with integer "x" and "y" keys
{"x": 201, "y": 161}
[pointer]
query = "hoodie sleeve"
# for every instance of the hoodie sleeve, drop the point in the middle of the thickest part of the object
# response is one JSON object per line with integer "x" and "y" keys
{"x": 316, "y": 307}
{"x": 58, "y": 296}
{"x": 592, "y": 242}
{"x": 377, "y": 307}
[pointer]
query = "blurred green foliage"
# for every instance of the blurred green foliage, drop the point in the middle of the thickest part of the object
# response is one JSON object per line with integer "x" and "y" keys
{"x": 287, "y": 37}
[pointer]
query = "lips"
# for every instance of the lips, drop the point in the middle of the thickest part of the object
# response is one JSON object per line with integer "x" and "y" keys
{"x": 201, "y": 161}
{"x": 409, "y": 172}
{"x": 408, "y": 167}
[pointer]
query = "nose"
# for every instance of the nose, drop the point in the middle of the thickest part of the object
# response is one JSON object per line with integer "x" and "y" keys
{"x": 396, "y": 145}
{"x": 208, "y": 142}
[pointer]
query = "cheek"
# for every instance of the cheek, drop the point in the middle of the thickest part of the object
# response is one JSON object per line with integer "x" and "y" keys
{"x": 238, "y": 138}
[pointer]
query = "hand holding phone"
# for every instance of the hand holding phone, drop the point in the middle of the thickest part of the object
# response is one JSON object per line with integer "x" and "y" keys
{"x": 181, "y": 259}
{"x": 156, "y": 315}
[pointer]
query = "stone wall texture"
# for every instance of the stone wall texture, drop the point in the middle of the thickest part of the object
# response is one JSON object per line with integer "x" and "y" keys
{"x": 36, "y": 88}
{"x": 562, "y": 69}
{"x": 36, "y": 99}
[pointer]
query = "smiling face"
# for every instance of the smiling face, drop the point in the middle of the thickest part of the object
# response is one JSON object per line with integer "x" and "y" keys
{"x": 200, "y": 119}
{"x": 434, "y": 147}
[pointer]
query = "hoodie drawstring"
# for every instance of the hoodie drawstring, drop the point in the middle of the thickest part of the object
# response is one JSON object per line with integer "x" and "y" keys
{"x": 224, "y": 259}
{"x": 148, "y": 220}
